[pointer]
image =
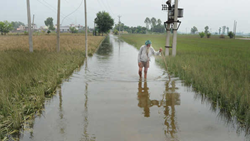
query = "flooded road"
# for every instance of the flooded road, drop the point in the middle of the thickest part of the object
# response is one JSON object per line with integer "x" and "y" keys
{"x": 105, "y": 101}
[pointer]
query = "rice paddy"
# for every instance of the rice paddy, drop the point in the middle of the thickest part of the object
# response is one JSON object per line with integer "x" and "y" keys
{"x": 217, "y": 68}
{"x": 26, "y": 79}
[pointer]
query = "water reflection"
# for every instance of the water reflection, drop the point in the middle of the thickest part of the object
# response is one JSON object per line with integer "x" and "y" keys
{"x": 169, "y": 101}
{"x": 225, "y": 115}
{"x": 62, "y": 128}
{"x": 143, "y": 98}
{"x": 106, "y": 48}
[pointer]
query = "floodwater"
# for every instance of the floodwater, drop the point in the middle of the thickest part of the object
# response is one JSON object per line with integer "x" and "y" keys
{"x": 105, "y": 101}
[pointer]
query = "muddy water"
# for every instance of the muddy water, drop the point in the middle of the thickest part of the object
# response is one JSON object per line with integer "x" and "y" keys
{"x": 105, "y": 101}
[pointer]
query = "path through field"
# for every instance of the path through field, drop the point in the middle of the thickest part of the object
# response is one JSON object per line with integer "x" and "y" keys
{"x": 105, "y": 101}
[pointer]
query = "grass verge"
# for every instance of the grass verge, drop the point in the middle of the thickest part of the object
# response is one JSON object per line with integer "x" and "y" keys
{"x": 27, "y": 78}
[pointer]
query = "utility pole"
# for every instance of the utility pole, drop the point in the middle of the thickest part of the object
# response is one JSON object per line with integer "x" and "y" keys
{"x": 168, "y": 35}
{"x": 94, "y": 29}
{"x": 33, "y": 23}
{"x": 58, "y": 26}
{"x": 119, "y": 24}
{"x": 235, "y": 25}
{"x": 86, "y": 30}
{"x": 29, "y": 25}
{"x": 175, "y": 28}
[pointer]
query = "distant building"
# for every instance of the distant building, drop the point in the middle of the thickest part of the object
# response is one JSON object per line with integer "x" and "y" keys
{"x": 21, "y": 28}
{"x": 64, "y": 29}
{"x": 34, "y": 26}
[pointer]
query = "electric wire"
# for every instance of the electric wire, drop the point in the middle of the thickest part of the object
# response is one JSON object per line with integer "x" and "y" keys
{"x": 49, "y": 7}
{"x": 110, "y": 7}
{"x": 73, "y": 6}
{"x": 72, "y": 12}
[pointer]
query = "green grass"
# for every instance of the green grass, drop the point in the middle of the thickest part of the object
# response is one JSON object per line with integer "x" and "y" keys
{"x": 26, "y": 79}
{"x": 218, "y": 68}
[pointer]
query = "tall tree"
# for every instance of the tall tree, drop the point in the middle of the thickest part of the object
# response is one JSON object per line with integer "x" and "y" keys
{"x": 227, "y": 30}
{"x": 206, "y": 30}
{"x": 159, "y": 21}
{"x": 153, "y": 22}
{"x": 104, "y": 21}
{"x": 49, "y": 23}
{"x": 223, "y": 30}
{"x": 147, "y": 22}
{"x": 219, "y": 30}
{"x": 193, "y": 30}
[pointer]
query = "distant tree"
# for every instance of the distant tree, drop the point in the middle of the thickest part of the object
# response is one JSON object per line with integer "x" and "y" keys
{"x": 227, "y": 30}
{"x": 202, "y": 34}
{"x": 5, "y": 27}
{"x": 159, "y": 22}
{"x": 223, "y": 30}
{"x": 206, "y": 30}
{"x": 16, "y": 24}
{"x": 104, "y": 21}
{"x": 1, "y": 27}
{"x": 147, "y": 22}
{"x": 219, "y": 30}
{"x": 159, "y": 28}
{"x": 231, "y": 34}
{"x": 73, "y": 30}
{"x": 49, "y": 23}
{"x": 153, "y": 22}
{"x": 193, "y": 30}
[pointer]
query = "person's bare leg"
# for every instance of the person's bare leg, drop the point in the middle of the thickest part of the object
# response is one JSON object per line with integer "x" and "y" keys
{"x": 140, "y": 72}
{"x": 145, "y": 72}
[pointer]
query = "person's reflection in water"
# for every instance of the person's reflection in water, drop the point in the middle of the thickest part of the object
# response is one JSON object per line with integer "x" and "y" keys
{"x": 143, "y": 98}
{"x": 169, "y": 101}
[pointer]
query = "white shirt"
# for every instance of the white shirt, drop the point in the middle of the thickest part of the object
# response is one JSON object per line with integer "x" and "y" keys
{"x": 142, "y": 55}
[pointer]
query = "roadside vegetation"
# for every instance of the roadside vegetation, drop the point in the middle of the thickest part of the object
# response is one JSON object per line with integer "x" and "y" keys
{"x": 26, "y": 79}
{"x": 216, "y": 67}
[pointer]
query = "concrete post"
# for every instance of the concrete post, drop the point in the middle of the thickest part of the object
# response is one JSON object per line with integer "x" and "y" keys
{"x": 175, "y": 29}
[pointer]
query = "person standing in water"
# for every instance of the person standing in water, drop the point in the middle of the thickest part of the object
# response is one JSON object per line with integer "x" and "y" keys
{"x": 146, "y": 51}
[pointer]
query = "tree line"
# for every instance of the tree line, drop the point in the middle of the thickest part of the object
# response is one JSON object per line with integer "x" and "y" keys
{"x": 6, "y": 27}
{"x": 152, "y": 25}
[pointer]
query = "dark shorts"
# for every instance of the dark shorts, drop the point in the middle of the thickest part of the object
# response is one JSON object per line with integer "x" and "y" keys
{"x": 144, "y": 64}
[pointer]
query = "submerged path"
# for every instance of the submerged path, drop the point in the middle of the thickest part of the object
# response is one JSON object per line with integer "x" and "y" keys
{"x": 105, "y": 101}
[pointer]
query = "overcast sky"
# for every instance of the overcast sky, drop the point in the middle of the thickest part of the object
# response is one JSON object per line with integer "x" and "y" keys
{"x": 199, "y": 13}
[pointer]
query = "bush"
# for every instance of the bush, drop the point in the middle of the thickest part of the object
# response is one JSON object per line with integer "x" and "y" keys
{"x": 26, "y": 33}
{"x": 202, "y": 34}
{"x": 208, "y": 35}
{"x": 222, "y": 36}
{"x": 116, "y": 32}
{"x": 231, "y": 34}
{"x": 74, "y": 30}
{"x": 48, "y": 31}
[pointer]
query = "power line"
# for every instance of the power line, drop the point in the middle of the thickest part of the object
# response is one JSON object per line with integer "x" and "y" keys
{"x": 49, "y": 7}
{"x": 73, "y": 11}
{"x": 73, "y": 6}
{"x": 110, "y": 8}
{"x": 102, "y": 5}
{"x": 55, "y": 8}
